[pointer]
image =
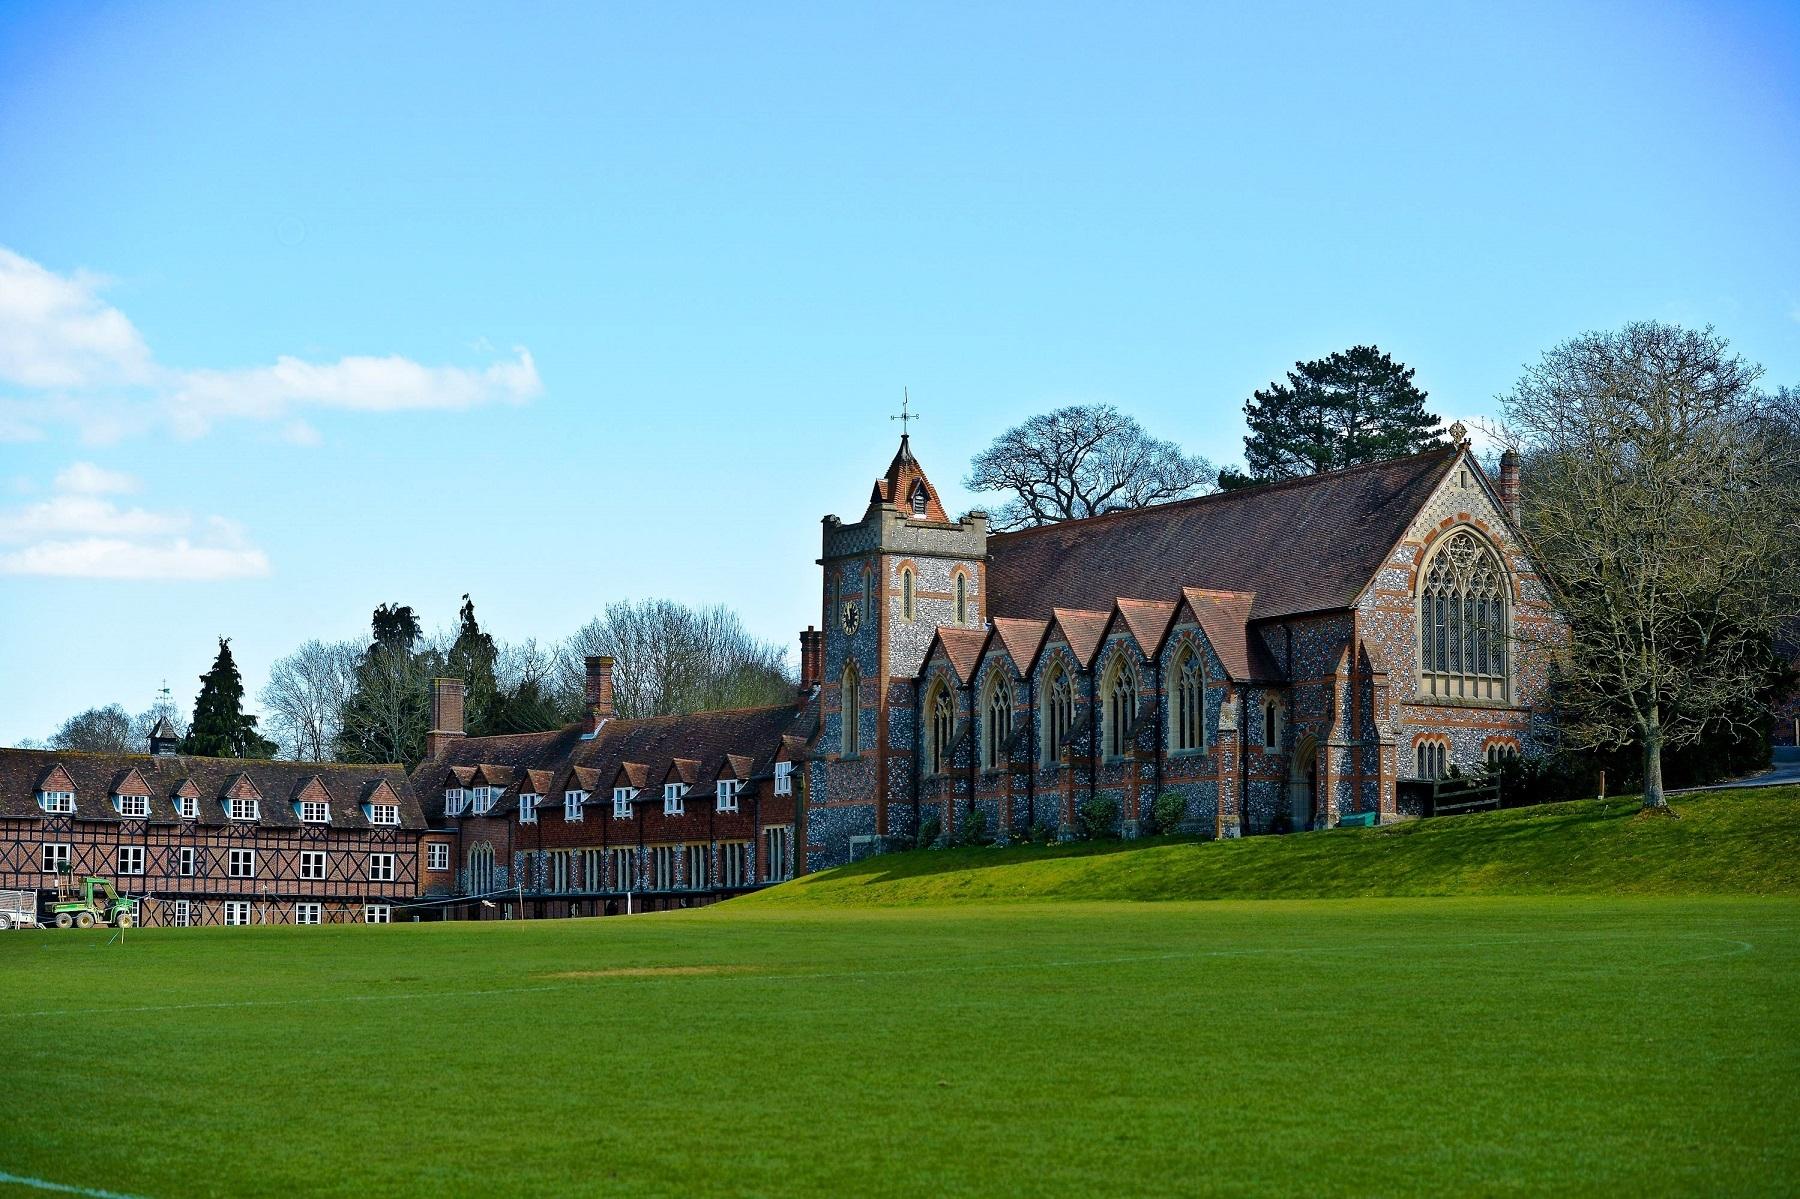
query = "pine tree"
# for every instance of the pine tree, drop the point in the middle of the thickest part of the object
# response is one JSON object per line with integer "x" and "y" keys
{"x": 471, "y": 658}
{"x": 1356, "y": 406}
{"x": 221, "y": 728}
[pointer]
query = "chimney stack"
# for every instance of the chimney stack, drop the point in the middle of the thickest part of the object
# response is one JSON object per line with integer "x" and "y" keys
{"x": 599, "y": 691}
{"x": 446, "y": 716}
{"x": 812, "y": 659}
{"x": 1509, "y": 484}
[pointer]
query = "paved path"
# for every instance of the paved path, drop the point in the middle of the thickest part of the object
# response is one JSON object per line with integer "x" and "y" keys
{"x": 1782, "y": 774}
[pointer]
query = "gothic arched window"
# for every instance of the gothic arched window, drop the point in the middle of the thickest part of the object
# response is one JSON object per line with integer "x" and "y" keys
{"x": 997, "y": 706}
{"x": 1271, "y": 725}
{"x": 481, "y": 869}
{"x": 940, "y": 729}
{"x": 1187, "y": 702}
{"x": 1434, "y": 758}
{"x": 1464, "y": 626}
{"x": 849, "y": 701}
{"x": 906, "y": 593}
{"x": 1120, "y": 699}
{"x": 962, "y": 599}
{"x": 1058, "y": 711}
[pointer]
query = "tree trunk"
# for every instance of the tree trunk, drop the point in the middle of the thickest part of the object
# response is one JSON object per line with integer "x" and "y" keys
{"x": 1653, "y": 778}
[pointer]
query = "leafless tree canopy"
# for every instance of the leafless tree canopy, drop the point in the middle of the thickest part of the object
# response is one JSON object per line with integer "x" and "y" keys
{"x": 1081, "y": 461}
{"x": 1661, "y": 502}
{"x": 672, "y": 659}
{"x": 305, "y": 696}
{"x": 97, "y": 730}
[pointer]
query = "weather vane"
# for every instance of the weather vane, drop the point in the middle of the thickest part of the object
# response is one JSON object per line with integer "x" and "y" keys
{"x": 906, "y": 414}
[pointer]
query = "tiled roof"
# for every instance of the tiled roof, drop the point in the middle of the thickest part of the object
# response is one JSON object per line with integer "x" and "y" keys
{"x": 1148, "y": 620}
{"x": 1225, "y": 618}
{"x": 1301, "y": 545}
{"x": 1021, "y": 638}
{"x": 92, "y": 776}
{"x": 896, "y": 487}
{"x": 1083, "y": 630}
{"x": 644, "y": 751}
{"x": 963, "y": 648}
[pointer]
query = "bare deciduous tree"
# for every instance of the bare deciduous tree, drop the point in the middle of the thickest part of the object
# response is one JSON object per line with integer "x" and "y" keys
{"x": 1081, "y": 461}
{"x": 1662, "y": 508}
{"x": 104, "y": 730}
{"x": 672, "y": 659}
{"x": 305, "y": 697}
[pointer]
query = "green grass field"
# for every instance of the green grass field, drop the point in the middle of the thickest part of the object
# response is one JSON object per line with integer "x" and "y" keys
{"x": 1469, "y": 1045}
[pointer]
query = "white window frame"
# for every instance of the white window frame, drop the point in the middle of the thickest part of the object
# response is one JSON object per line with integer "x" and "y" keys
{"x": 187, "y": 807}
{"x": 240, "y": 863}
{"x": 624, "y": 868}
{"x": 674, "y": 799}
{"x": 775, "y": 855}
{"x": 313, "y": 811}
{"x": 437, "y": 855}
{"x": 572, "y": 804}
{"x": 728, "y": 794}
{"x": 57, "y": 803}
{"x": 384, "y": 813}
{"x": 456, "y": 801}
{"x": 313, "y": 865}
{"x": 734, "y": 864}
{"x": 309, "y": 912}
{"x": 662, "y": 868}
{"x": 528, "y": 808}
{"x": 382, "y": 867}
{"x": 481, "y": 800}
{"x": 622, "y": 797}
{"x": 378, "y": 913}
{"x": 131, "y": 859}
{"x": 134, "y": 807}
{"x": 242, "y": 809}
{"x": 181, "y": 913}
{"x": 784, "y": 778}
{"x": 187, "y": 861}
{"x": 54, "y": 852}
{"x": 239, "y": 913}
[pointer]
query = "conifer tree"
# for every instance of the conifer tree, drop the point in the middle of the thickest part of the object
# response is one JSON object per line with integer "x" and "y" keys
{"x": 471, "y": 658}
{"x": 1356, "y": 406}
{"x": 221, "y": 728}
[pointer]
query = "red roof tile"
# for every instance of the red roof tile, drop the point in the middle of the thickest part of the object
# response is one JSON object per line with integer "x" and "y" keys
{"x": 1021, "y": 638}
{"x": 904, "y": 474}
{"x": 1082, "y": 629}
{"x": 1148, "y": 621}
{"x": 962, "y": 647}
{"x": 1225, "y": 618}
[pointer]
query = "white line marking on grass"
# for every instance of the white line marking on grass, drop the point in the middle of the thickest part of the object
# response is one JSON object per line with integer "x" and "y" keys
{"x": 953, "y": 968}
{"x": 61, "y": 1187}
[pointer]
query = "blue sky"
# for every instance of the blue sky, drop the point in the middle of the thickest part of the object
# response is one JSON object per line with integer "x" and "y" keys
{"x": 309, "y": 307}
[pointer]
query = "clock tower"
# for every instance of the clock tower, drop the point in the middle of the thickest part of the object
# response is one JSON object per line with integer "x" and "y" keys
{"x": 890, "y": 581}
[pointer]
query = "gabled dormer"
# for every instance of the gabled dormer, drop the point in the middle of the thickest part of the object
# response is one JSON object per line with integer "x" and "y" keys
{"x": 242, "y": 800}
{"x": 131, "y": 795}
{"x": 678, "y": 780}
{"x": 628, "y": 782}
{"x": 312, "y": 801}
{"x": 186, "y": 799}
{"x": 380, "y": 805}
{"x": 56, "y": 792}
{"x": 734, "y": 773}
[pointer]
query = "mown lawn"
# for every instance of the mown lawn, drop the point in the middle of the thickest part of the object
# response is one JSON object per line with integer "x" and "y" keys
{"x": 1743, "y": 842}
{"x": 1397, "y": 1046}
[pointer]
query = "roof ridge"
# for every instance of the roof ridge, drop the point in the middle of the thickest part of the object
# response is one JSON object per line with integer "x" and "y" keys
{"x": 1253, "y": 489}
{"x": 137, "y": 757}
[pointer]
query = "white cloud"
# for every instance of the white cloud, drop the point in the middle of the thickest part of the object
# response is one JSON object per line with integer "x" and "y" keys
{"x": 87, "y": 479}
{"x": 77, "y": 533}
{"x": 72, "y": 359}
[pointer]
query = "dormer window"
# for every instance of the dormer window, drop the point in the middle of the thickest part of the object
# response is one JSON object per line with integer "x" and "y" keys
{"x": 57, "y": 803}
{"x": 187, "y": 807}
{"x": 728, "y": 795}
{"x": 528, "y": 809}
{"x": 784, "y": 778}
{"x": 622, "y": 797}
{"x": 454, "y": 801}
{"x": 242, "y": 809}
{"x": 482, "y": 799}
{"x": 572, "y": 801}
{"x": 919, "y": 499}
{"x": 314, "y": 812}
{"x": 384, "y": 813}
{"x": 133, "y": 806}
{"x": 673, "y": 802}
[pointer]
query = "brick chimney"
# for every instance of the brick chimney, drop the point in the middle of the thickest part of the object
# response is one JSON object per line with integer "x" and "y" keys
{"x": 812, "y": 659}
{"x": 1509, "y": 483}
{"x": 599, "y": 691}
{"x": 446, "y": 716}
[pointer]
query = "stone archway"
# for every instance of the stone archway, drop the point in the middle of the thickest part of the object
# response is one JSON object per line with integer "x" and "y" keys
{"x": 1303, "y": 782}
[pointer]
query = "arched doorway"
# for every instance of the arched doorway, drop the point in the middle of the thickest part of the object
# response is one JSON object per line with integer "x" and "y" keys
{"x": 1303, "y": 782}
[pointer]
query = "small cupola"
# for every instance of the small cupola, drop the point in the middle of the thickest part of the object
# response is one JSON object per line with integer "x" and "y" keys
{"x": 163, "y": 741}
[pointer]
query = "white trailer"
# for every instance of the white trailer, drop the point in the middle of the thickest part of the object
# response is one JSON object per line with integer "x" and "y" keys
{"x": 18, "y": 909}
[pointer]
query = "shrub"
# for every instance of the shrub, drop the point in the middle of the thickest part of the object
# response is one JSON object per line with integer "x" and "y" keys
{"x": 974, "y": 827}
{"x": 1100, "y": 819}
{"x": 1042, "y": 833}
{"x": 1168, "y": 812}
{"x": 928, "y": 832}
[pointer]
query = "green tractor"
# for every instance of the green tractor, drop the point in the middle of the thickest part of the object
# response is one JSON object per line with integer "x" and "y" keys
{"x": 94, "y": 901}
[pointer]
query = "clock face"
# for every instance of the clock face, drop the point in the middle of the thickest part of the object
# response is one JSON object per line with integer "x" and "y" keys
{"x": 852, "y": 616}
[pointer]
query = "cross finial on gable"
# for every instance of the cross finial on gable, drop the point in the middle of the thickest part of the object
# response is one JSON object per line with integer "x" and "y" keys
{"x": 906, "y": 413}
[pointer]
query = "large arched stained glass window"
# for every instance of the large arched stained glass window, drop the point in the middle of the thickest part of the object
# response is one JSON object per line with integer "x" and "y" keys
{"x": 1058, "y": 713}
{"x": 1187, "y": 723}
{"x": 1464, "y": 622}
{"x": 940, "y": 730}
{"x": 1120, "y": 694}
{"x": 998, "y": 725}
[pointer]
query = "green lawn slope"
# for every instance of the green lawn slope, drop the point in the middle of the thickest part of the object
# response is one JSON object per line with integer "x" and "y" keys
{"x": 1744, "y": 842}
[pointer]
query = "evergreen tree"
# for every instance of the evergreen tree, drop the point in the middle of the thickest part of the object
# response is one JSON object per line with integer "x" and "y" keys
{"x": 1356, "y": 406}
{"x": 471, "y": 658}
{"x": 221, "y": 728}
{"x": 389, "y": 709}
